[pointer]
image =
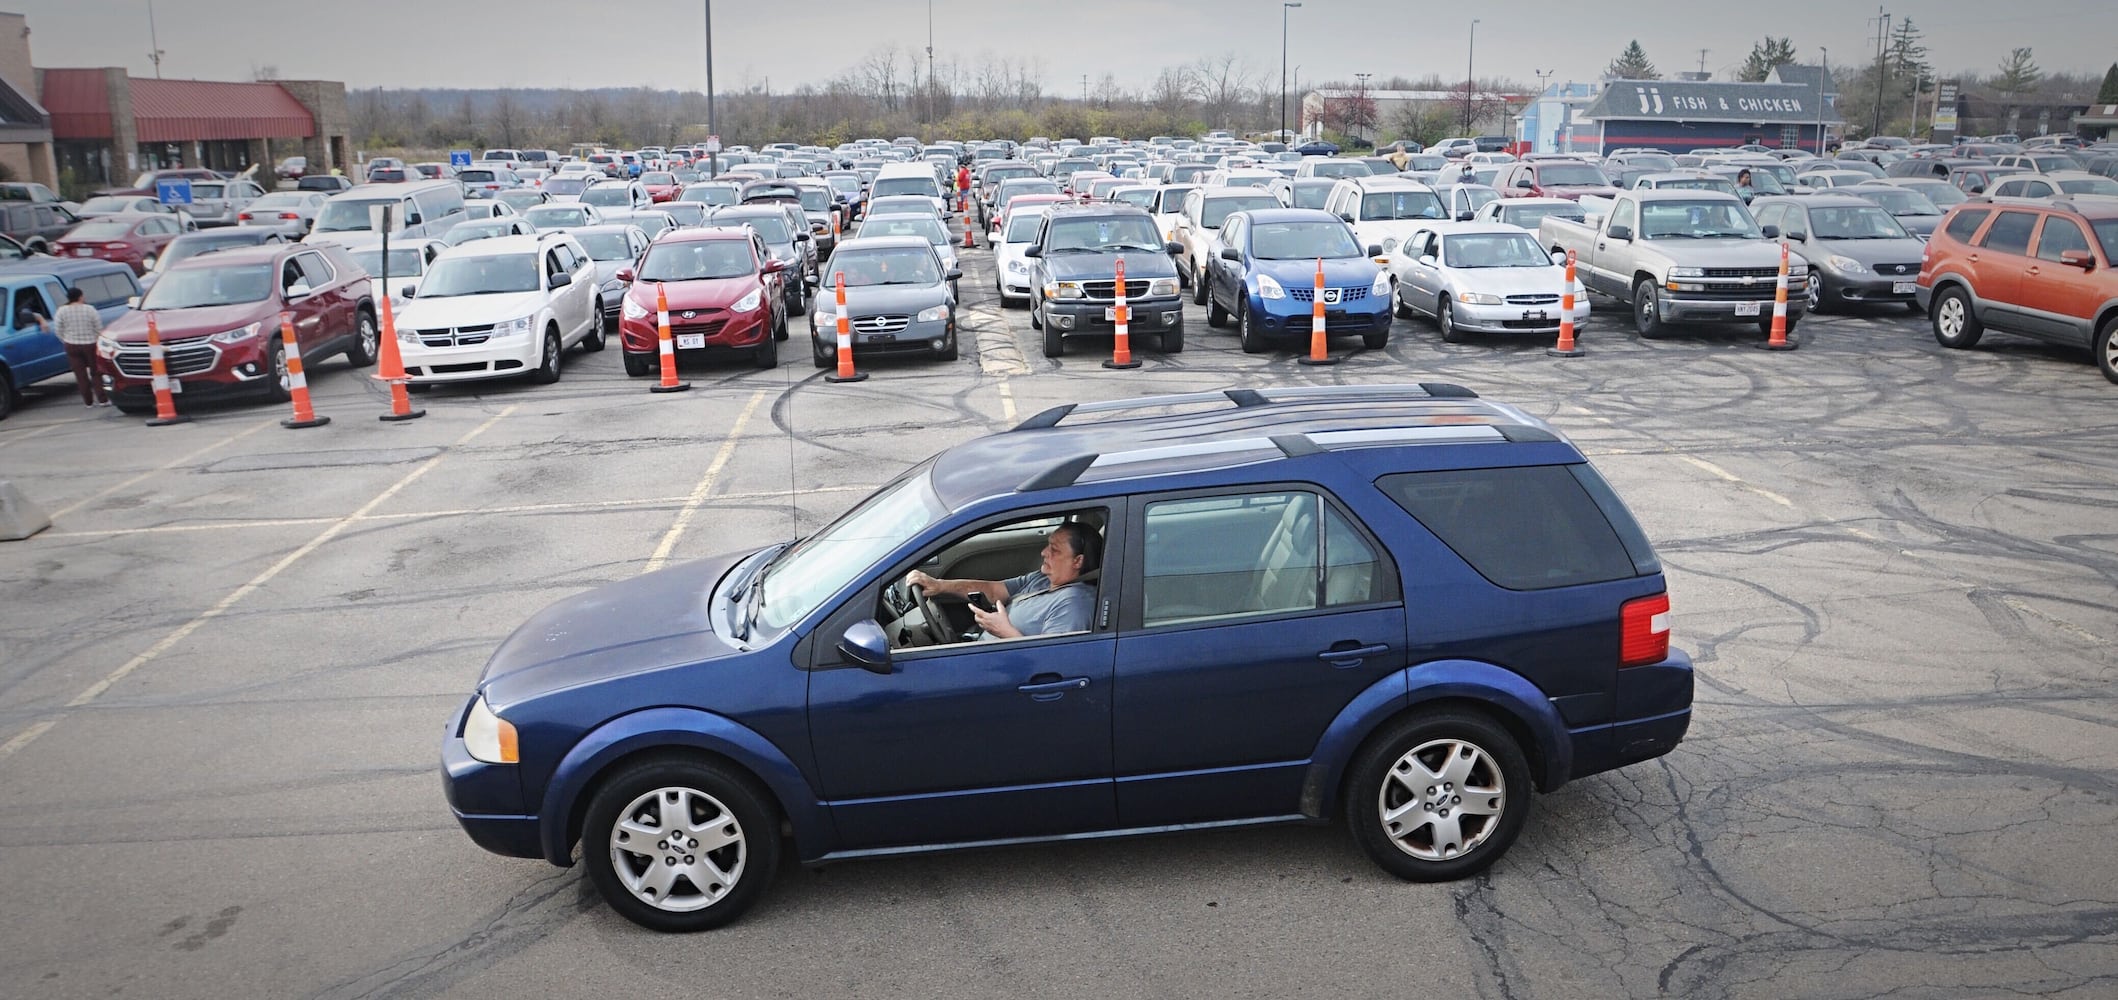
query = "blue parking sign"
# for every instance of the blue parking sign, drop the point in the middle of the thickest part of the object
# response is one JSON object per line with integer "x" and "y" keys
{"x": 459, "y": 158}
{"x": 173, "y": 192}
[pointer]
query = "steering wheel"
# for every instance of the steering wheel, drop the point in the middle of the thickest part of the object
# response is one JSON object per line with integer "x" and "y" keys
{"x": 930, "y": 614}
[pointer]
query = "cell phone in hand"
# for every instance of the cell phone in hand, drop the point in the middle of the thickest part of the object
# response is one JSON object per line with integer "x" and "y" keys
{"x": 980, "y": 601}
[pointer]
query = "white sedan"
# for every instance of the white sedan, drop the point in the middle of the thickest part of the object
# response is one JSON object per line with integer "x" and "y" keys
{"x": 1481, "y": 278}
{"x": 1011, "y": 270}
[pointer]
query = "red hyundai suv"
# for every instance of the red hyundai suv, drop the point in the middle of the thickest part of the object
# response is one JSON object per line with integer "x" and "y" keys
{"x": 2040, "y": 269}
{"x": 218, "y": 315}
{"x": 134, "y": 239}
{"x": 724, "y": 291}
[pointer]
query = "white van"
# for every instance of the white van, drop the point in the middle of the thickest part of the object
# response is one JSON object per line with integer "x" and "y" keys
{"x": 909, "y": 178}
{"x": 423, "y": 208}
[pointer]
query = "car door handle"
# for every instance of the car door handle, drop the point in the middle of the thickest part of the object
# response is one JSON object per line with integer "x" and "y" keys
{"x": 2033, "y": 272}
{"x": 1352, "y": 655}
{"x": 1050, "y": 690}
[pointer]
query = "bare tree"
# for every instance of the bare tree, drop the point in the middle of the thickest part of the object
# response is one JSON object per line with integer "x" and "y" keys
{"x": 1221, "y": 84}
{"x": 1172, "y": 90}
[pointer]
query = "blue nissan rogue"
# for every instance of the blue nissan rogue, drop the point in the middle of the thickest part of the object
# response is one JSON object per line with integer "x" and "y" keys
{"x": 1403, "y": 605}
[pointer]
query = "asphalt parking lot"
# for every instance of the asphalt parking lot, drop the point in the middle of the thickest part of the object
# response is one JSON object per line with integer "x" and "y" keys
{"x": 224, "y": 672}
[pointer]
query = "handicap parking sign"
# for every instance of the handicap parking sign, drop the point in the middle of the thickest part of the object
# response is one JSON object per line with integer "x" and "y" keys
{"x": 173, "y": 192}
{"x": 459, "y": 158}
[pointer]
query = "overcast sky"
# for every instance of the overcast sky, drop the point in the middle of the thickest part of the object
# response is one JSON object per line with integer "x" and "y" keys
{"x": 660, "y": 43}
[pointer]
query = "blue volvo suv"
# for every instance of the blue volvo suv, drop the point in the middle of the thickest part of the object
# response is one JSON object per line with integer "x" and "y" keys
{"x": 1265, "y": 277}
{"x": 1403, "y": 606}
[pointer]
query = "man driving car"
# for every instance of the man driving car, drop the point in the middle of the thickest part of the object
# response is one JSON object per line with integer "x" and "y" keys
{"x": 1051, "y": 600}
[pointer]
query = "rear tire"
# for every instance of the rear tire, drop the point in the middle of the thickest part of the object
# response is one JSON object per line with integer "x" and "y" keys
{"x": 2105, "y": 345}
{"x": 8, "y": 399}
{"x": 1198, "y": 288}
{"x": 1407, "y": 802}
{"x": 1955, "y": 324}
{"x": 594, "y": 341}
{"x": 1216, "y": 316}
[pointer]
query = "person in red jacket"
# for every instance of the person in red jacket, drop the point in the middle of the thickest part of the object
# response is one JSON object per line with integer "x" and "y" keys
{"x": 963, "y": 188}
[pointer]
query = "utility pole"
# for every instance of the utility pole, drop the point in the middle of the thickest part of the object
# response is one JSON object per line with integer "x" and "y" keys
{"x": 1542, "y": 75}
{"x": 930, "y": 60}
{"x": 1823, "y": 81}
{"x": 1702, "y": 62}
{"x": 713, "y": 158}
{"x": 1084, "y": 89}
{"x": 1470, "y": 80}
{"x": 1284, "y": 8}
{"x": 1882, "y": 33}
{"x": 154, "y": 41}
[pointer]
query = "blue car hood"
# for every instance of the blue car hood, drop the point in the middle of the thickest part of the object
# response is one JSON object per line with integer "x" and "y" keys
{"x": 1339, "y": 272}
{"x": 651, "y": 621}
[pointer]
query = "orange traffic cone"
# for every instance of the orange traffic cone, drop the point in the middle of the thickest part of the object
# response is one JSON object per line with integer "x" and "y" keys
{"x": 391, "y": 369}
{"x": 845, "y": 340}
{"x": 1566, "y": 348}
{"x": 297, "y": 383}
{"x": 164, "y": 401}
{"x": 1121, "y": 350}
{"x": 968, "y": 242}
{"x": 666, "y": 345}
{"x": 1319, "y": 343}
{"x": 1777, "y": 340}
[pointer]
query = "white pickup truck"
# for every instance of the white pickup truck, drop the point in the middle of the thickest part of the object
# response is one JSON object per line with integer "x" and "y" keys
{"x": 1679, "y": 256}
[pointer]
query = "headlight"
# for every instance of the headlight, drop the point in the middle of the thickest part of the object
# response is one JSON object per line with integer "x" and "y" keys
{"x": 1162, "y": 286}
{"x": 1062, "y": 290}
{"x": 1381, "y": 285}
{"x": 488, "y": 737}
{"x": 1845, "y": 264}
{"x": 750, "y": 301}
{"x": 1390, "y": 245}
{"x": 825, "y": 319}
{"x": 1477, "y": 299}
{"x": 634, "y": 310}
{"x": 237, "y": 336}
{"x": 1797, "y": 268}
{"x": 106, "y": 347}
{"x": 513, "y": 328}
{"x": 1269, "y": 288}
{"x": 935, "y": 314}
{"x": 1018, "y": 267}
{"x": 1687, "y": 272}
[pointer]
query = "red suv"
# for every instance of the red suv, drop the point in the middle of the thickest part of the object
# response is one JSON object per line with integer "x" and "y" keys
{"x": 2039, "y": 269}
{"x": 725, "y": 294}
{"x": 1567, "y": 178}
{"x": 219, "y": 319}
{"x": 133, "y": 239}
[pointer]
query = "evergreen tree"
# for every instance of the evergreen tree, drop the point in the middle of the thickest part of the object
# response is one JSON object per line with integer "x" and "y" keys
{"x": 2109, "y": 93}
{"x": 1766, "y": 56}
{"x": 2018, "y": 73}
{"x": 1632, "y": 64}
{"x": 1908, "y": 58}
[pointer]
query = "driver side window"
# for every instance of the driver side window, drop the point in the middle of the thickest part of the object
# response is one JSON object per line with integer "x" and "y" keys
{"x": 1046, "y": 589}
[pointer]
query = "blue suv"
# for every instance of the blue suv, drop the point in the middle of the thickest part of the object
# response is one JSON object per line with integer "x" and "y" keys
{"x": 1400, "y": 605}
{"x": 1265, "y": 276}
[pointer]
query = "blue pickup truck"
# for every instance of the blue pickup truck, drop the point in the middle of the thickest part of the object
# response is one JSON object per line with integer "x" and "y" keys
{"x": 28, "y": 354}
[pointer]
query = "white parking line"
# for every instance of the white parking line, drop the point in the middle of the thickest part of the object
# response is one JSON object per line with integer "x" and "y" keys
{"x": 338, "y": 527}
{"x": 705, "y": 487}
{"x": 164, "y": 467}
{"x": 21, "y": 436}
{"x": 1007, "y": 401}
{"x": 1731, "y": 477}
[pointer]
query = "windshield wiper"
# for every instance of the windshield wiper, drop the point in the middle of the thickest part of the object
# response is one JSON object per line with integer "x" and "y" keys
{"x": 1132, "y": 246}
{"x": 1071, "y": 250}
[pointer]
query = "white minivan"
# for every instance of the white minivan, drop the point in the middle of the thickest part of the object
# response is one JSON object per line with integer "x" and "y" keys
{"x": 909, "y": 178}
{"x": 421, "y": 208}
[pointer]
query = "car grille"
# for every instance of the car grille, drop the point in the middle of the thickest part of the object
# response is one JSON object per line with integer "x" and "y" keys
{"x": 1529, "y": 324}
{"x": 1135, "y": 288}
{"x": 708, "y": 328}
{"x": 1742, "y": 272}
{"x": 462, "y": 336}
{"x": 182, "y": 357}
{"x": 1897, "y": 269}
{"x": 1344, "y": 294}
{"x": 881, "y": 324}
{"x": 1533, "y": 300}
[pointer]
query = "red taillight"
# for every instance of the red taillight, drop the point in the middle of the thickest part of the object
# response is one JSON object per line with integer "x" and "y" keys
{"x": 285, "y": 215}
{"x": 245, "y": 215}
{"x": 1643, "y": 631}
{"x": 116, "y": 246}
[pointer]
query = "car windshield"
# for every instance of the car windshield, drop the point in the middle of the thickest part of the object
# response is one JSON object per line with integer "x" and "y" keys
{"x": 498, "y": 274}
{"x": 1494, "y": 250}
{"x": 1023, "y": 229}
{"x": 800, "y": 579}
{"x": 1137, "y": 197}
{"x": 1943, "y": 194}
{"x": 2047, "y": 163}
{"x": 567, "y": 186}
{"x": 1301, "y": 240}
{"x": 1216, "y": 210}
{"x": 904, "y": 185}
{"x": 1651, "y": 161}
{"x": 1385, "y": 205}
{"x": 1764, "y": 183}
{"x": 105, "y": 204}
{"x": 1577, "y": 174}
{"x": 1119, "y": 232}
{"x": 519, "y": 200}
{"x": 1531, "y": 216}
{"x": 185, "y": 247}
{"x": 100, "y": 231}
{"x": 772, "y": 227}
{"x": 1699, "y": 220}
{"x": 1899, "y": 201}
{"x": 203, "y": 190}
{"x": 2089, "y": 185}
{"x": 1339, "y": 168}
{"x": 348, "y": 216}
{"x": 281, "y": 199}
{"x": 816, "y": 200}
{"x": 475, "y": 176}
{"x": 844, "y": 184}
{"x": 658, "y": 178}
{"x": 1310, "y": 195}
{"x": 403, "y": 263}
{"x": 469, "y": 231}
{"x": 615, "y": 196}
{"x": 1721, "y": 184}
{"x": 698, "y": 260}
{"x": 1853, "y": 222}
{"x": 555, "y": 216}
{"x": 195, "y": 287}
{"x": 711, "y": 194}
{"x": 606, "y": 246}
{"x": 925, "y": 226}
{"x": 884, "y": 266}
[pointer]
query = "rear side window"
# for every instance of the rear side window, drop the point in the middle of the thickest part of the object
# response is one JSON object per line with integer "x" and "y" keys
{"x": 2010, "y": 233}
{"x": 1529, "y": 528}
{"x": 1966, "y": 223}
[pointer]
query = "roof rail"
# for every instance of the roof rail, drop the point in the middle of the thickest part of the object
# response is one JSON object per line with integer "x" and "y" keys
{"x": 1245, "y": 398}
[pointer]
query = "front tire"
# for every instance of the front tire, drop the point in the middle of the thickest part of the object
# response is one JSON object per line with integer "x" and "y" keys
{"x": 1247, "y": 330}
{"x": 767, "y": 355}
{"x": 1439, "y": 796}
{"x": 637, "y": 365}
{"x": 640, "y": 820}
{"x": 548, "y": 367}
{"x": 1216, "y": 316}
{"x": 366, "y": 338}
{"x": 276, "y": 377}
{"x": 2105, "y": 345}
{"x": 1054, "y": 341}
{"x": 1445, "y": 319}
{"x": 1647, "y": 311}
{"x": 1398, "y": 307}
{"x": 1173, "y": 340}
{"x": 1955, "y": 324}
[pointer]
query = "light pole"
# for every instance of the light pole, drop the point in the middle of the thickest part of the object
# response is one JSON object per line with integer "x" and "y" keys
{"x": 1470, "y": 80}
{"x": 1823, "y": 80}
{"x": 1542, "y": 76}
{"x": 930, "y": 61}
{"x": 713, "y": 156}
{"x": 1284, "y": 8}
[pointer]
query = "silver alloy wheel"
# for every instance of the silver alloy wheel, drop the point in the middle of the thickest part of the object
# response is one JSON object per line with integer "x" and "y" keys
{"x": 1442, "y": 799}
{"x": 1949, "y": 318}
{"x": 678, "y": 849}
{"x": 369, "y": 338}
{"x": 2110, "y": 352}
{"x": 1816, "y": 294}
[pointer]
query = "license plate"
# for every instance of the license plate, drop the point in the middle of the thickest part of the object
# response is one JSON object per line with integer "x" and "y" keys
{"x": 84, "y": 251}
{"x": 176, "y": 385}
{"x": 1748, "y": 308}
{"x": 690, "y": 341}
{"x": 1536, "y": 314}
{"x": 1110, "y": 314}
{"x": 1904, "y": 288}
{"x": 882, "y": 338}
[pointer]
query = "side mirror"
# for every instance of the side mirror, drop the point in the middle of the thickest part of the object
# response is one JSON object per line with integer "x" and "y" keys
{"x": 1231, "y": 253}
{"x": 297, "y": 290}
{"x": 1619, "y": 232}
{"x": 1526, "y": 184}
{"x": 1771, "y": 232}
{"x": 1345, "y": 217}
{"x": 865, "y": 644}
{"x": 1427, "y": 260}
{"x": 132, "y": 302}
{"x": 1797, "y": 236}
{"x": 2077, "y": 258}
{"x": 560, "y": 280}
{"x": 1172, "y": 246}
{"x": 408, "y": 291}
{"x": 801, "y": 237}
{"x": 1978, "y": 189}
{"x": 773, "y": 266}
{"x": 1560, "y": 258}
{"x": 412, "y": 219}
{"x": 625, "y": 273}
{"x": 1034, "y": 250}
{"x": 1465, "y": 216}
{"x": 1375, "y": 249}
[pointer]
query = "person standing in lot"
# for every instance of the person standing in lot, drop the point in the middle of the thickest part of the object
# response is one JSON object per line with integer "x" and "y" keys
{"x": 1399, "y": 158}
{"x": 963, "y": 188}
{"x": 78, "y": 326}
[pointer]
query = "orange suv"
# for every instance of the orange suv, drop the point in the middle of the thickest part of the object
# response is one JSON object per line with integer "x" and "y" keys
{"x": 2039, "y": 269}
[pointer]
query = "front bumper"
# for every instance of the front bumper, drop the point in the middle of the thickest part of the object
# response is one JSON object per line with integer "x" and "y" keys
{"x": 1291, "y": 317}
{"x": 198, "y": 370}
{"x": 486, "y": 799}
{"x": 1677, "y": 308}
{"x": 1871, "y": 288}
{"x": 719, "y": 329}
{"x": 1093, "y": 315}
{"x": 915, "y": 338}
{"x": 492, "y": 359}
{"x": 1540, "y": 319}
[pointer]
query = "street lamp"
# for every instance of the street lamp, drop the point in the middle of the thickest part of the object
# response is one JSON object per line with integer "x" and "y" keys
{"x": 1470, "y": 80}
{"x": 1284, "y": 8}
{"x": 1542, "y": 76}
{"x": 713, "y": 131}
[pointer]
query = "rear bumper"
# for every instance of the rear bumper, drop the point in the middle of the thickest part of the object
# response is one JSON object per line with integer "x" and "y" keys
{"x": 1653, "y": 712}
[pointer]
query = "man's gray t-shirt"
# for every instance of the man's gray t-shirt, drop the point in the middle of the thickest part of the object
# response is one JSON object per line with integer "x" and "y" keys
{"x": 1037, "y": 609}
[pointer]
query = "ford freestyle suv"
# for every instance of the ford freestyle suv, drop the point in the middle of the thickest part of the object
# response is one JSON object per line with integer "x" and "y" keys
{"x": 2037, "y": 269}
{"x": 218, "y": 315}
{"x": 1073, "y": 276}
{"x": 1403, "y": 606}
{"x": 724, "y": 293}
